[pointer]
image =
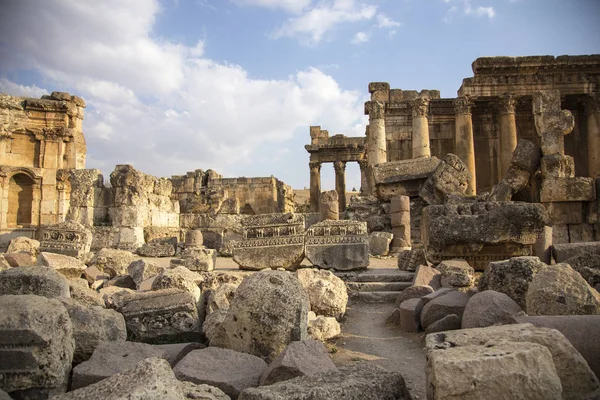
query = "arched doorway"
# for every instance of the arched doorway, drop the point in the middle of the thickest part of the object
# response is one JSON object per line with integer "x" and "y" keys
{"x": 20, "y": 199}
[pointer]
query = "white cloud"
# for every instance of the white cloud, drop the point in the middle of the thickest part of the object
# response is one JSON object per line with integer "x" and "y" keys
{"x": 383, "y": 21}
{"x": 162, "y": 106}
{"x": 14, "y": 89}
{"x": 360, "y": 37}
{"x": 292, "y": 6}
{"x": 311, "y": 26}
{"x": 480, "y": 11}
{"x": 468, "y": 9}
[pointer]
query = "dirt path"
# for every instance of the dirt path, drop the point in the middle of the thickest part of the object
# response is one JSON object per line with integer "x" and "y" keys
{"x": 367, "y": 338}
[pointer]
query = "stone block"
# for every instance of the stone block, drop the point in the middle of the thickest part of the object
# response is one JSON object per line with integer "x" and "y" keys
{"x": 326, "y": 292}
{"x": 489, "y": 308}
{"x": 558, "y": 166}
{"x": 329, "y": 205}
{"x": 399, "y": 204}
{"x": 568, "y": 189}
{"x": 564, "y": 251}
{"x": 410, "y": 315}
{"x": 403, "y": 177}
{"x": 175, "y": 352}
{"x": 451, "y": 177}
{"x": 425, "y": 275}
{"x": 413, "y": 292}
{"x": 179, "y": 278}
{"x": 323, "y": 328}
{"x": 450, "y": 322}
{"x": 340, "y": 245}
{"x": 452, "y": 302}
{"x": 400, "y": 219}
{"x": 112, "y": 262}
{"x": 379, "y": 243}
{"x": 560, "y": 234}
{"x": 163, "y": 247}
{"x": 568, "y": 212}
{"x": 375, "y": 86}
{"x": 68, "y": 266}
{"x": 199, "y": 260}
{"x": 225, "y": 369}
{"x": 24, "y": 244}
{"x": 401, "y": 239}
{"x": 40, "y": 281}
{"x": 581, "y": 233}
{"x": 68, "y": 238}
{"x": 396, "y": 95}
{"x": 140, "y": 270}
{"x": 409, "y": 260}
{"x": 194, "y": 238}
{"x": 15, "y": 260}
{"x": 36, "y": 346}
{"x": 456, "y": 273}
{"x": 527, "y": 155}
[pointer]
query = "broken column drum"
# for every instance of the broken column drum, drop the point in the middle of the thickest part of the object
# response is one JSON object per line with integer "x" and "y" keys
{"x": 400, "y": 215}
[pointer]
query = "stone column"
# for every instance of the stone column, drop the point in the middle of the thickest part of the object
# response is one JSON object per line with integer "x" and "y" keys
{"x": 508, "y": 132}
{"x": 420, "y": 128}
{"x": 315, "y": 185}
{"x": 340, "y": 183}
{"x": 364, "y": 183}
{"x": 400, "y": 216}
{"x": 465, "y": 145}
{"x": 592, "y": 112}
{"x": 376, "y": 145}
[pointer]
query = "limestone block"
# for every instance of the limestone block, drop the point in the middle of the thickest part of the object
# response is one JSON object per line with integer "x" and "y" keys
{"x": 19, "y": 259}
{"x": 213, "y": 329}
{"x": 24, "y": 244}
{"x": 130, "y": 239}
{"x": 409, "y": 260}
{"x": 329, "y": 206}
{"x": 323, "y": 328}
{"x": 164, "y": 247}
{"x": 588, "y": 266}
{"x": 379, "y": 243}
{"x": 579, "y": 233}
{"x": 199, "y": 260}
{"x": 413, "y": 292}
{"x": 489, "y": 308}
{"x": 558, "y": 166}
{"x": 400, "y": 219}
{"x": 41, "y": 281}
{"x": 560, "y": 290}
{"x": 112, "y": 358}
{"x": 396, "y": 95}
{"x": 340, "y": 245}
{"x": 304, "y": 358}
{"x": 566, "y": 212}
{"x": 456, "y": 273}
{"x": 563, "y": 251}
{"x": 220, "y": 298}
{"x": 352, "y": 382}
{"x": 568, "y": 189}
{"x": 112, "y": 262}
{"x": 501, "y": 371}
{"x": 225, "y": 369}
{"x": 451, "y": 177}
{"x": 450, "y": 322}
{"x": 123, "y": 281}
{"x": 92, "y": 325}
{"x": 527, "y": 156}
{"x": 576, "y": 378}
{"x": 451, "y": 303}
{"x": 410, "y": 315}
{"x": 4, "y": 265}
{"x": 380, "y": 95}
{"x": 428, "y": 276}
{"x": 68, "y": 266}
{"x": 174, "y": 352}
{"x": 403, "y": 177}
{"x": 37, "y": 345}
{"x": 560, "y": 234}
{"x": 85, "y": 296}
{"x": 511, "y": 277}
{"x": 258, "y": 299}
{"x": 179, "y": 278}
{"x": 68, "y": 238}
{"x": 326, "y": 292}
{"x": 376, "y": 86}
{"x": 140, "y": 270}
{"x": 481, "y": 232}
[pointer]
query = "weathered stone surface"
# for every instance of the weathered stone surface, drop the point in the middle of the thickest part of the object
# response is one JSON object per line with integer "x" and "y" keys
{"x": 456, "y": 273}
{"x": 403, "y": 177}
{"x": 213, "y": 329}
{"x": 140, "y": 270}
{"x": 558, "y": 166}
{"x": 527, "y": 155}
{"x": 577, "y": 380}
{"x": 409, "y": 260}
{"x": 70, "y": 267}
{"x": 588, "y": 266}
{"x": 302, "y": 358}
{"x": 270, "y": 241}
{"x": 4, "y": 265}
{"x": 326, "y": 292}
{"x": 179, "y": 278}
{"x": 489, "y": 308}
{"x": 355, "y": 382}
{"x": 564, "y": 251}
{"x": 199, "y": 259}
{"x": 175, "y": 352}
{"x": 226, "y": 369}
{"x": 111, "y": 358}
{"x": 323, "y": 328}
{"x": 413, "y": 292}
{"x": 568, "y": 189}
{"x": 114, "y": 296}
{"x": 167, "y": 314}
{"x": 15, "y": 260}
{"x": 124, "y": 281}
{"x": 163, "y": 247}
{"x": 379, "y": 243}
{"x": 69, "y": 238}
{"x": 193, "y": 391}
{"x": 24, "y": 244}
{"x": 112, "y": 262}
{"x": 220, "y": 298}
{"x": 481, "y": 232}
{"x": 410, "y": 315}
{"x": 450, "y": 322}
{"x": 450, "y": 177}
{"x": 451, "y": 303}
{"x": 340, "y": 245}
{"x": 259, "y": 322}
{"x": 150, "y": 378}
{"x": 503, "y": 371}
{"x": 427, "y": 276}
{"x": 329, "y": 206}
{"x": 511, "y": 277}
{"x": 559, "y": 290}
{"x": 41, "y": 281}
{"x": 194, "y": 238}
{"x": 92, "y": 325}
{"x": 36, "y": 345}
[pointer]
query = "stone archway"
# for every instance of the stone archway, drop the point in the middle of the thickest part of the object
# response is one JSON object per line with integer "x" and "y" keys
{"x": 20, "y": 200}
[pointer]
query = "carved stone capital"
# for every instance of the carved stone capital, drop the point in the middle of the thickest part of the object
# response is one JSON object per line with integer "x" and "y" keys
{"x": 339, "y": 166}
{"x": 506, "y": 104}
{"x": 462, "y": 105}
{"x": 315, "y": 166}
{"x": 363, "y": 164}
{"x": 375, "y": 109}
{"x": 420, "y": 107}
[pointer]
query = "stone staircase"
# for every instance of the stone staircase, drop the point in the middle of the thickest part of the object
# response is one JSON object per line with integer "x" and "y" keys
{"x": 378, "y": 285}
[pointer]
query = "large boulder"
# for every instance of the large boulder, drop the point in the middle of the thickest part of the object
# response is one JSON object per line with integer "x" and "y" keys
{"x": 453, "y": 302}
{"x": 489, "y": 308}
{"x": 588, "y": 266}
{"x": 327, "y": 293}
{"x": 511, "y": 277}
{"x": 24, "y": 244}
{"x": 269, "y": 310}
{"x": 220, "y": 298}
{"x": 112, "y": 261}
{"x": 360, "y": 381}
{"x": 41, "y": 281}
{"x": 379, "y": 243}
{"x": 70, "y": 267}
{"x": 37, "y": 346}
{"x": 559, "y": 290}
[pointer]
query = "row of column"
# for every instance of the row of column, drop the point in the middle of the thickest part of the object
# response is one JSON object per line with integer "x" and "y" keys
{"x": 340, "y": 182}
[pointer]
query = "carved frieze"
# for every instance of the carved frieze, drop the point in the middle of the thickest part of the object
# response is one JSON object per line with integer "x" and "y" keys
{"x": 68, "y": 238}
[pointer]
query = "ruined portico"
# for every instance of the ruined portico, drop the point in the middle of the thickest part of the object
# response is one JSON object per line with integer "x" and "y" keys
{"x": 338, "y": 150}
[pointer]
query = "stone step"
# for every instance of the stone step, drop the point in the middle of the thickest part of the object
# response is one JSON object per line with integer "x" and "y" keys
{"x": 377, "y": 286}
{"x": 377, "y": 297}
{"x": 382, "y": 275}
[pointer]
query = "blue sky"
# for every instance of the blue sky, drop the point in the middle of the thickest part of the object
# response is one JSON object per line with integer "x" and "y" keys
{"x": 233, "y": 85}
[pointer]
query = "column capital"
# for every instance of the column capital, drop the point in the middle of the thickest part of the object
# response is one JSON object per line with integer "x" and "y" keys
{"x": 339, "y": 166}
{"x": 314, "y": 166}
{"x": 363, "y": 164}
{"x": 506, "y": 104}
{"x": 375, "y": 109}
{"x": 462, "y": 105}
{"x": 420, "y": 107}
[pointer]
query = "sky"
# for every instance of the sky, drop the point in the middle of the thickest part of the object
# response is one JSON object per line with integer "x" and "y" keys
{"x": 233, "y": 85}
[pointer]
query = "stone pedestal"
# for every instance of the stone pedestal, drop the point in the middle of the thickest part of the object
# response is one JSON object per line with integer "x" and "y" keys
{"x": 376, "y": 145}
{"x": 340, "y": 183}
{"x": 420, "y": 125}
{"x": 508, "y": 131}
{"x": 465, "y": 145}
{"x": 329, "y": 206}
{"x": 592, "y": 111}
{"x": 315, "y": 185}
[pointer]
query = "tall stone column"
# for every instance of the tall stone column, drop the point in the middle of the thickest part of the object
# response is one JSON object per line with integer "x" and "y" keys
{"x": 315, "y": 185}
{"x": 508, "y": 131}
{"x": 420, "y": 128}
{"x": 376, "y": 145}
{"x": 340, "y": 183}
{"x": 592, "y": 112}
{"x": 465, "y": 145}
{"x": 364, "y": 182}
